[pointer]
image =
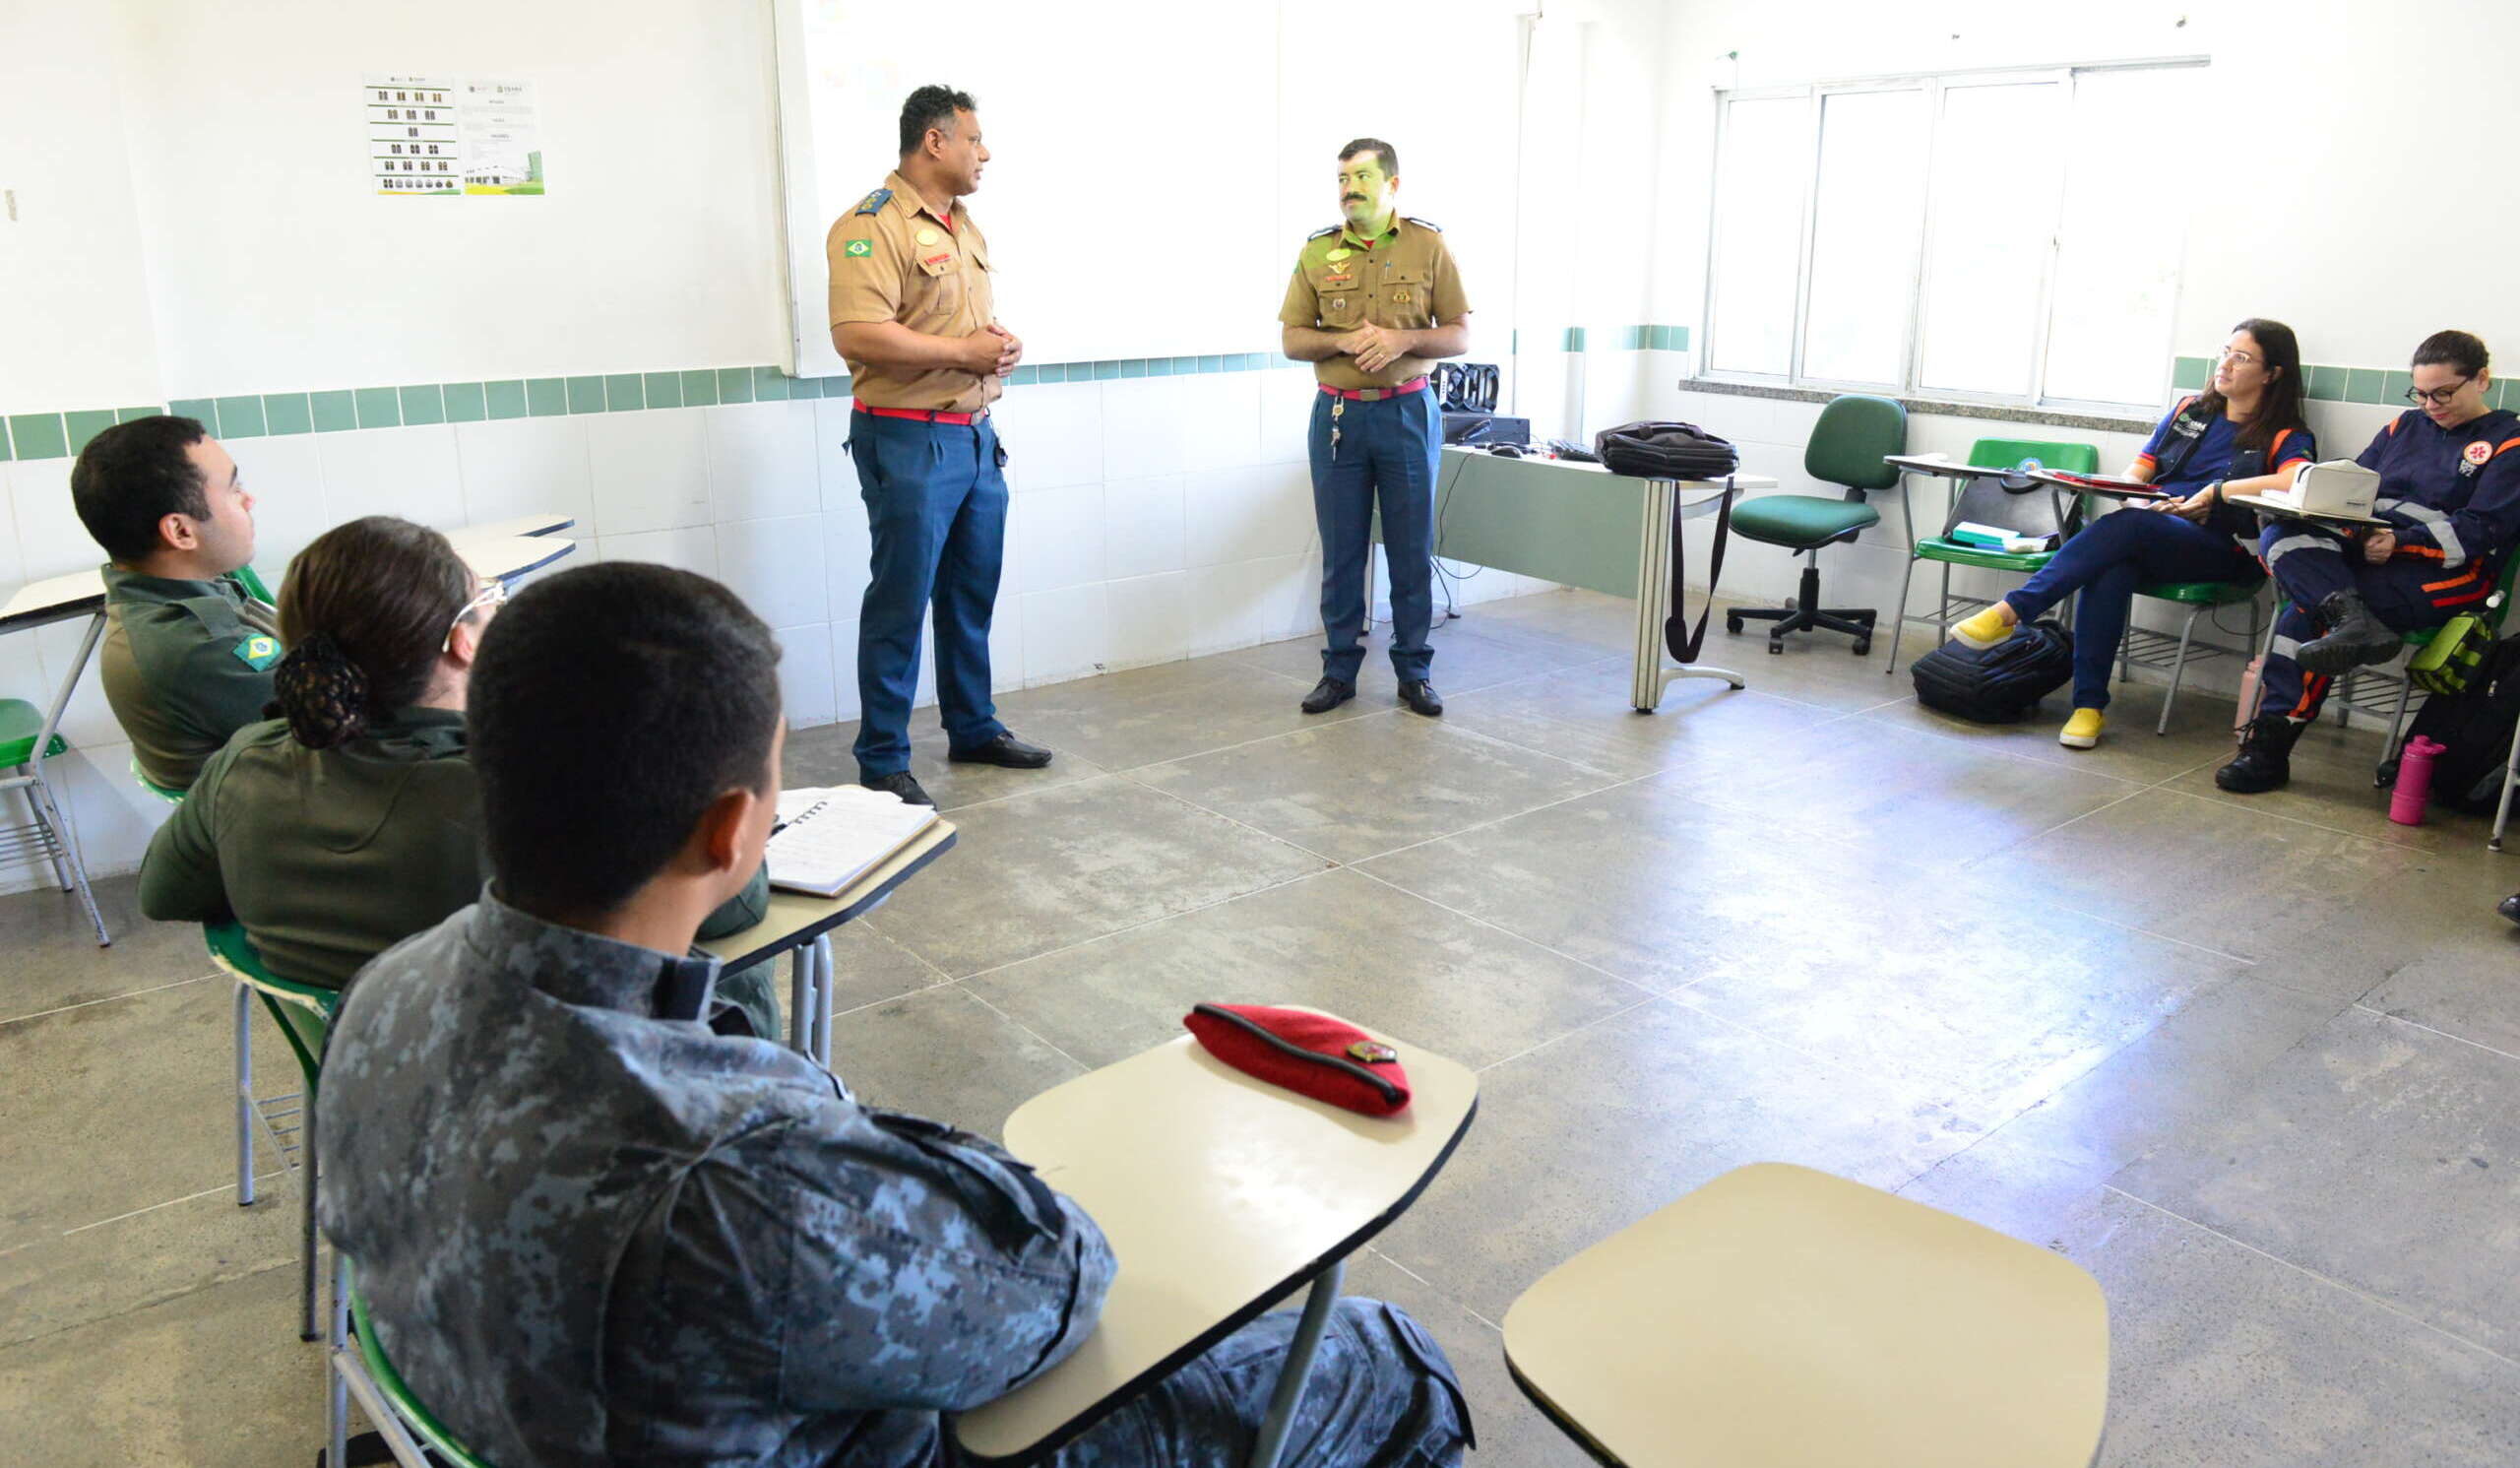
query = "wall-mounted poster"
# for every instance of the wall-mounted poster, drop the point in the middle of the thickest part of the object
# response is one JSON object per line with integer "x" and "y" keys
{"x": 451, "y": 136}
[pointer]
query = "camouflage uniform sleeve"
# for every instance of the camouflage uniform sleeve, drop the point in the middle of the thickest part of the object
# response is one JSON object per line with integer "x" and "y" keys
{"x": 928, "y": 1270}
{"x": 180, "y": 881}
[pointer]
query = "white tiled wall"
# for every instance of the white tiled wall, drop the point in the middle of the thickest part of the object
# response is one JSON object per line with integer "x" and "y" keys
{"x": 1153, "y": 519}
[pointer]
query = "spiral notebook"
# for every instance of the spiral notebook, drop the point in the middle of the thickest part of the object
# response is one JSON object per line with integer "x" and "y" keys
{"x": 830, "y": 838}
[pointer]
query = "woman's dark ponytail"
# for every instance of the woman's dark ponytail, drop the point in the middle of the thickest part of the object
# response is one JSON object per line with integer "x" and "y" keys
{"x": 321, "y": 692}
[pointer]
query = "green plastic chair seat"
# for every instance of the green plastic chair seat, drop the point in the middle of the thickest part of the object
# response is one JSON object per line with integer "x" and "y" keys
{"x": 2202, "y": 592}
{"x": 21, "y": 723}
{"x": 304, "y": 1011}
{"x": 2025, "y": 561}
{"x": 1802, "y": 522}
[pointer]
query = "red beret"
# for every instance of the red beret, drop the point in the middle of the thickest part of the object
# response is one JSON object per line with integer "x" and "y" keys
{"x": 1311, "y": 1054}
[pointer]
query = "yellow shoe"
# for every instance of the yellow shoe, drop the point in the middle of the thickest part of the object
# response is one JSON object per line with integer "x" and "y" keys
{"x": 2081, "y": 731}
{"x": 1983, "y": 630}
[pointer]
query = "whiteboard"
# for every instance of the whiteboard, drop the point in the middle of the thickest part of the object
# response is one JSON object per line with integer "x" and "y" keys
{"x": 1152, "y": 174}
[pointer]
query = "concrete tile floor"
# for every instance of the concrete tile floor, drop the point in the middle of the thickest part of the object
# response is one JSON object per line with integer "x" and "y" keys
{"x": 2252, "y": 1062}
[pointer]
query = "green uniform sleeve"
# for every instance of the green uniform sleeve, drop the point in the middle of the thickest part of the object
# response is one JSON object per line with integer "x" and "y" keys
{"x": 179, "y": 879}
{"x": 221, "y": 687}
{"x": 741, "y": 911}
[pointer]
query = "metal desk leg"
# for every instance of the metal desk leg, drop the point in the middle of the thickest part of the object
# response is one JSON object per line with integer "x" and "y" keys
{"x": 822, "y": 1000}
{"x": 1298, "y": 1366}
{"x": 2510, "y": 777}
{"x": 800, "y": 999}
{"x": 1654, "y": 601}
{"x": 65, "y": 841}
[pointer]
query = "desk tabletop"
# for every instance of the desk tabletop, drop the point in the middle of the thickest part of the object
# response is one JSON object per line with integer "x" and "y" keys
{"x": 1783, "y": 1315}
{"x": 2283, "y": 511}
{"x": 1541, "y": 461}
{"x": 508, "y": 548}
{"x": 795, "y": 919}
{"x": 1941, "y": 463}
{"x": 1220, "y": 1195}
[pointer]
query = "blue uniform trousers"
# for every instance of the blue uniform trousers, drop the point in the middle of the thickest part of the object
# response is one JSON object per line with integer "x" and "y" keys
{"x": 2310, "y": 565}
{"x": 1381, "y": 1395}
{"x": 1386, "y": 453}
{"x": 2107, "y": 560}
{"x": 936, "y": 503}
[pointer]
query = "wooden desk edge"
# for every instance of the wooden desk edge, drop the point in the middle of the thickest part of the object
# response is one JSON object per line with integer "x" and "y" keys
{"x": 878, "y": 884}
{"x": 1127, "y": 1391}
{"x": 1557, "y": 1418}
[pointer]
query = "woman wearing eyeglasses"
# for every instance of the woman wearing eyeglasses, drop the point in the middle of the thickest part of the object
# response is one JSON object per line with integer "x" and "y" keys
{"x": 2450, "y": 496}
{"x": 2245, "y": 434}
{"x": 353, "y": 820}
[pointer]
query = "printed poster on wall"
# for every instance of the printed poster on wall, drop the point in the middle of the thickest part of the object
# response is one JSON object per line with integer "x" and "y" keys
{"x": 447, "y": 136}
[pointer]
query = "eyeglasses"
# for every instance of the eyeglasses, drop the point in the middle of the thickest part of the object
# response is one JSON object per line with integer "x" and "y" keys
{"x": 2238, "y": 357}
{"x": 492, "y": 594}
{"x": 2439, "y": 397}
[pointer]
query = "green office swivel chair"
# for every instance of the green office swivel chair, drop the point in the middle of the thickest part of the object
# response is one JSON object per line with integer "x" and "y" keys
{"x": 1847, "y": 448}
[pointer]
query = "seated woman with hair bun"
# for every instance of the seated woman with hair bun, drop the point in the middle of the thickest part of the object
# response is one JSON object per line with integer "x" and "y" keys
{"x": 353, "y": 820}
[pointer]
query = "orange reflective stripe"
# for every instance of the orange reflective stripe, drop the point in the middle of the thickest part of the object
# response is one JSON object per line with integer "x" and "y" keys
{"x": 2313, "y": 687}
{"x": 2275, "y": 449}
{"x": 2439, "y": 585}
{"x": 2428, "y": 552}
{"x": 2478, "y": 594}
{"x": 2506, "y": 445}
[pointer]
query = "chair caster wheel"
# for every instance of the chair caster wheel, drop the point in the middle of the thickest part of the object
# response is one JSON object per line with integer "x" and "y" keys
{"x": 1776, "y": 650}
{"x": 1864, "y": 649}
{"x": 2385, "y": 776}
{"x": 1733, "y": 624}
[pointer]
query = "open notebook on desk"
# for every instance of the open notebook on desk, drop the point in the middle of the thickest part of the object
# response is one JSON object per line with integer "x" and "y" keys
{"x": 829, "y": 838}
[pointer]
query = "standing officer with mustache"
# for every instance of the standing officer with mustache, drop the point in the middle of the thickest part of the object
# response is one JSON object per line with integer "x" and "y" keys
{"x": 1373, "y": 301}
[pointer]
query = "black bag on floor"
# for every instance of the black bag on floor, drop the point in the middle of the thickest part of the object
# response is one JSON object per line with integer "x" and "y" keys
{"x": 2475, "y": 726}
{"x": 2002, "y": 684}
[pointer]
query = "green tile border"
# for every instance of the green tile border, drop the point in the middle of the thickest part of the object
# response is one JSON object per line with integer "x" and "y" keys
{"x": 53, "y": 435}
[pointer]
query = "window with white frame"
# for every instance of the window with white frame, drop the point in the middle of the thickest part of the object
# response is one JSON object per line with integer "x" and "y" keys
{"x": 1999, "y": 236}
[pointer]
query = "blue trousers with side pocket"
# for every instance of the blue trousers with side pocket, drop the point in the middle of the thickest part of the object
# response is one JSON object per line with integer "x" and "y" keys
{"x": 937, "y": 505}
{"x": 2107, "y": 560}
{"x": 1385, "y": 455}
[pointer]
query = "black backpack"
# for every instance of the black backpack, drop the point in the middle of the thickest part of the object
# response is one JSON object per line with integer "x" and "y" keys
{"x": 2017, "y": 503}
{"x": 1998, "y": 684}
{"x": 2475, "y": 726}
{"x": 1666, "y": 451}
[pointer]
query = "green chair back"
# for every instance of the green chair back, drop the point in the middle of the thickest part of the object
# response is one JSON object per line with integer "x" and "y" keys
{"x": 21, "y": 725}
{"x": 397, "y": 1393}
{"x": 253, "y": 586}
{"x": 1850, "y": 441}
{"x": 304, "y": 1011}
{"x": 2012, "y": 453}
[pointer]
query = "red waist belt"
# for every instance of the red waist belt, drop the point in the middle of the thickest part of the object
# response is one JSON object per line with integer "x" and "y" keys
{"x": 1376, "y": 394}
{"x": 920, "y": 415}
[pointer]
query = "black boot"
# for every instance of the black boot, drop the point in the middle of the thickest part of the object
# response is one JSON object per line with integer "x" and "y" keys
{"x": 2265, "y": 761}
{"x": 2354, "y": 637}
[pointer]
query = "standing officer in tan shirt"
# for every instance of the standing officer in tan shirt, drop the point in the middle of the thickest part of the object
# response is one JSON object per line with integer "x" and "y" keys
{"x": 1372, "y": 302}
{"x": 911, "y": 312}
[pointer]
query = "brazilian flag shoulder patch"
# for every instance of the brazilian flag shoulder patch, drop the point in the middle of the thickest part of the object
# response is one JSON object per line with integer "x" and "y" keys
{"x": 258, "y": 652}
{"x": 858, "y": 247}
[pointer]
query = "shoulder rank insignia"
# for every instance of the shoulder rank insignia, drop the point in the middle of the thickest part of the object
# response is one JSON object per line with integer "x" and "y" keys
{"x": 1317, "y": 233}
{"x": 1424, "y": 224}
{"x": 875, "y": 201}
{"x": 258, "y": 652}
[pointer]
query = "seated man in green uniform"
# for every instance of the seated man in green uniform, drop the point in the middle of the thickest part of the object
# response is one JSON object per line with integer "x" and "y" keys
{"x": 188, "y": 654}
{"x": 353, "y": 820}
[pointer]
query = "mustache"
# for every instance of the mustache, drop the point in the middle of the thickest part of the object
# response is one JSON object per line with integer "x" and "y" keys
{"x": 1351, "y": 198}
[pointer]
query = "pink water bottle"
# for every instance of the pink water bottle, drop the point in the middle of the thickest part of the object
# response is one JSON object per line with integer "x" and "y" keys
{"x": 2414, "y": 780}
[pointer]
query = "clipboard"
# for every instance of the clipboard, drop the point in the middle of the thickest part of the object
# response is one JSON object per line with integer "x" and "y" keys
{"x": 2282, "y": 511}
{"x": 2098, "y": 483}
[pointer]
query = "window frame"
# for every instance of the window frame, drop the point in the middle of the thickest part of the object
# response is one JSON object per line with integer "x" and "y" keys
{"x": 1934, "y": 86}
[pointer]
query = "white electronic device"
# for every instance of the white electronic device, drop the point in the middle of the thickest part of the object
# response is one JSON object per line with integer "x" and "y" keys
{"x": 2336, "y": 487}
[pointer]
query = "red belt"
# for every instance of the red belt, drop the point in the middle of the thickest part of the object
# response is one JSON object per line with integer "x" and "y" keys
{"x": 920, "y": 415}
{"x": 1376, "y": 394}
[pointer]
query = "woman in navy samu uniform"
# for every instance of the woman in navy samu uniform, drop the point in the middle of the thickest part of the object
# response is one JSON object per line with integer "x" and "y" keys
{"x": 2242, "y": 434}
{"x": 2451, "y": 492}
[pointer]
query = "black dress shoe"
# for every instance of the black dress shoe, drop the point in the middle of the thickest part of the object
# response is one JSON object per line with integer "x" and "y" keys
{"x": 901, "y": 784}
{"x": 1006, "y": 750}
{"x": 2510, "y": 907}
{"x": 1328, "y": 694}
{"x": 1421, "y": 698}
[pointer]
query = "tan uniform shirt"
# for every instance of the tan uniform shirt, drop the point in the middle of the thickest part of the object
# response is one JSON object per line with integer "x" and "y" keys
{"x": 893, "y": 258}
{"x": 1405, "y": 280}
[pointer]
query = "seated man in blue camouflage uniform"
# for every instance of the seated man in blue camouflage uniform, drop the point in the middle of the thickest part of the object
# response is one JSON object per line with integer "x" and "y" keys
{"x": 592, "y": 1232}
